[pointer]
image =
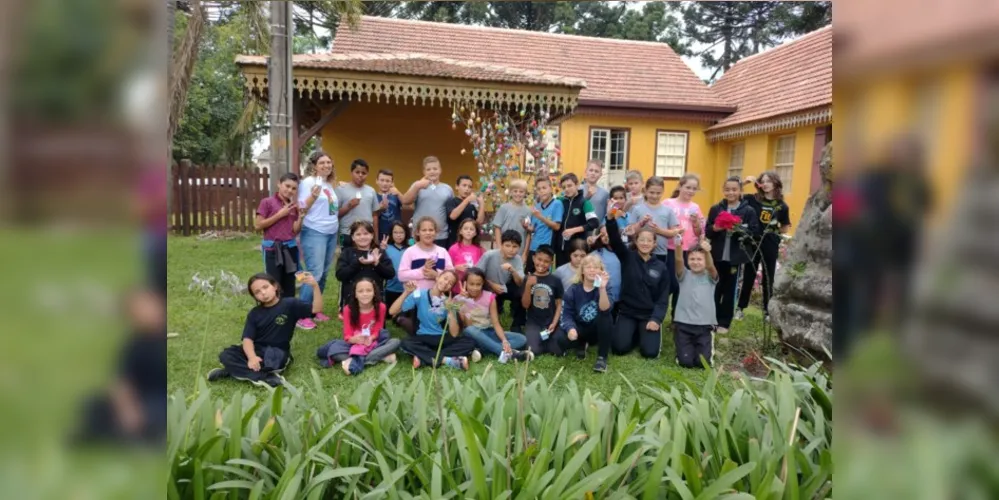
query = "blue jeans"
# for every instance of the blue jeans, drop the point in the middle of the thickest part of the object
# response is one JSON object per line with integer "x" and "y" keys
{"x": 486, "y": 339}
{"x": 318, "y": 249}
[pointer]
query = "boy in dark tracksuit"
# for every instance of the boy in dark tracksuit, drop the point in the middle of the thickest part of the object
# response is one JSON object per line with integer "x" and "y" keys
{"x": 730, "y": 249}
{"x": 643, "y": 299}
{"x": 578, "y": 218}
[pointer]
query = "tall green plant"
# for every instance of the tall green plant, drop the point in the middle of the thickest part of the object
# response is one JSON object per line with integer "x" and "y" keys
{"x": 507, "y": 439}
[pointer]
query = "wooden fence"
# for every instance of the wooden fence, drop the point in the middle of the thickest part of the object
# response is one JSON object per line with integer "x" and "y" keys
{"x": 216, "y": 198}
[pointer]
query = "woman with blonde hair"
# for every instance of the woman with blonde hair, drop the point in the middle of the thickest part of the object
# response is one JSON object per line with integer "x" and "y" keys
{"x": 586, "y": 311}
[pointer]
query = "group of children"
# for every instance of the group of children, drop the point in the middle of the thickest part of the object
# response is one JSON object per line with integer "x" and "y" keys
{"x": 560, "y": 263}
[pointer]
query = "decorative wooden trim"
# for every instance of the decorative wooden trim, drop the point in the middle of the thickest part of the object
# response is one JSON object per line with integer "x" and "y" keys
{"x": 697, "y": 117}
{"x": 399, "y": 89}
{"x": 686, "y": 151}
{"x": 811, "y": 117}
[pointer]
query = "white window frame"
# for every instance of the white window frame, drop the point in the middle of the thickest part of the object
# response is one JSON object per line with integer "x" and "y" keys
{"x": 784, "y": 166}
{"x": 736, "y": 159}
{"x": 612, "y": 170}
{"x": 668, "y": 152}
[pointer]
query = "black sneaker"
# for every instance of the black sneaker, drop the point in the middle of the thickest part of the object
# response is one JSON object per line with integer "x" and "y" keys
{"x": 581, "y": 353}
{"x": 601, "y": 365}
{"x": 271, "y": 380}
{"x": 217, "y": 374}
{"x": 523, "y": 355}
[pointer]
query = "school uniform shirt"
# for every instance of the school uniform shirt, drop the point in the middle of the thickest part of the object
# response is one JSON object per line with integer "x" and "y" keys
{"x": 349, "y": 269}
{"x": 696, "y": 302}
{"x": 729, "y": 247}
{"x": 552, "y": 211}
{"x": 478, "y": 309}
{"x": 395, "y": 255}
{"x": 467, "y": 255}
{"x": 369, "y": 324}
{"x": 598, "y": 200}
{"x": 663, "y": 216}
{"x": 430, "y": 312}
{"x": 773, "y": 214}
{"x": 544, "y": 293}
{"x": 322, "y": 217}
{"x": 274, "y": 326}
{"x": 683, "y": 212}
{"x": 430, "y": 202}
{"x": 391, "y": 214}
{"x": 511, "y": 216}
{"x": 414, "y": 258}
{"x": 282, "y": 230}
{"x": 580, "y": 306}
{"x": 647, "y": 293}
{"x": 471, "y": 211}
{"x": 566, "y": 274}
{"x": 576, "y": 212}
{"x": 364, "y": 210}
{"x": 613, "y": 266}
{"x": 492, "y": 264}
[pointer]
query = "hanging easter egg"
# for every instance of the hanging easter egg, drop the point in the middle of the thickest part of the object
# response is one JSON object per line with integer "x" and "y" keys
{"x": 534, "y": 123}
{"x": 468, "y": 131}
{"x": 543, "y": 131}
{"x": 454, "y": 126}
{"x": 471, "y": 115}
{"x": 522, "y": 112}
{"x": 454, "y": 116}
{"x": 478, "y": 120}
{"x": 481, "y": 165}
{"x": 463, "y": 151}
{"x": 462, "y": 109}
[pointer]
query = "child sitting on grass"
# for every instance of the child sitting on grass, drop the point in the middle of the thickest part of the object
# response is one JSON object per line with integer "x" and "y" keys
{"x": 481, "y": 319}
{"x": 266, "y": 346}
{"x": 543, "y": 301}
{"x": 438, "y": 326}
{"x": 586, "y": 313}
{"x": 694, "y": 316}
{"x": 365, "y": 339}
{"x": 567, "y": 272}
{"x": 504, "y": 268}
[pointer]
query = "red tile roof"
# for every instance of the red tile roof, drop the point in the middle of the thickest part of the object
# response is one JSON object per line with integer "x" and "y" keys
{"x": 789, "y": 78}
{"x": 619, "y": 73}
{"x": 420, "y": 65}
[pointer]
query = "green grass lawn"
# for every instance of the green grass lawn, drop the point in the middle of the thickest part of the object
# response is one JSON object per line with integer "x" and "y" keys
{"x": 207, "y": 324}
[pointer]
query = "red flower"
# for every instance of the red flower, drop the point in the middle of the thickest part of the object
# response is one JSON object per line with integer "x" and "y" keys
{"x": 727, "y": 222}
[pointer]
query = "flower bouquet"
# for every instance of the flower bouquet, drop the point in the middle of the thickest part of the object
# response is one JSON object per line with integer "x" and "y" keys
{"x": 727, "y": 221}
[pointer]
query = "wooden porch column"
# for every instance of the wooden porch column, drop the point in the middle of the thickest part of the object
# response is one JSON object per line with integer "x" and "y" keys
{"x": 311, "y": 132}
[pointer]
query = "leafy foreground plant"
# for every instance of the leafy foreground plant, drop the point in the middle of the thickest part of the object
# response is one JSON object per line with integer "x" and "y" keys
{"x": 508, "y": 439}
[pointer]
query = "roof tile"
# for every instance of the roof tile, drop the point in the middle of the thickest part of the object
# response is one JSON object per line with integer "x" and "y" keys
{"x": 789, "y": 78}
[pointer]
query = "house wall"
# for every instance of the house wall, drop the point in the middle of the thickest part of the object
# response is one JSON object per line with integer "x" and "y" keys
{"x": 397, "y": 137}
{"x": 574, "y": 141}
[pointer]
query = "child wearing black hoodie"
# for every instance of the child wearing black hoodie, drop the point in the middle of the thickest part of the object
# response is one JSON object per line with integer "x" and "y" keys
{"x": 730, "y": 248}
{"x": 362, "y": 260}
{"x": 643, "y": 302}
{"x": 578, "y": 218}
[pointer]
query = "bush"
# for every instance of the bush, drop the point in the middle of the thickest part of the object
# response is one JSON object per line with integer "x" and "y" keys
{"x": 487, "y": 438}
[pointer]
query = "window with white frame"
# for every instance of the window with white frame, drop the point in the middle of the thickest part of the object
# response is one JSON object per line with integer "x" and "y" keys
{"x": 736, "y": 158}
{"x": 784, "y": 161}
{"x": 611, "y": 147}
{"x": 671, "y": 154}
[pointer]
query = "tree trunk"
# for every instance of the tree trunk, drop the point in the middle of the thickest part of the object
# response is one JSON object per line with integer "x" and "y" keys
{"x": 171, "y": 11}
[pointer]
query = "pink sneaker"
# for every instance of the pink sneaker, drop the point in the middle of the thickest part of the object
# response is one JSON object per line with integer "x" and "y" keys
{"x": 322, "y": 317}
{"x": 306, "y": 324}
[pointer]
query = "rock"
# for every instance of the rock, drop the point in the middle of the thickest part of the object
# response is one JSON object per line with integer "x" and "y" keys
{"x": 801, "y": 307}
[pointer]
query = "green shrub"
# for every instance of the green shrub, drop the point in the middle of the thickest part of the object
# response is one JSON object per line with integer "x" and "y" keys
{"x": 487, "y": 438}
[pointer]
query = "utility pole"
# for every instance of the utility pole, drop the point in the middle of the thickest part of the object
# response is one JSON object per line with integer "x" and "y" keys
{"x": 280, "y": 91}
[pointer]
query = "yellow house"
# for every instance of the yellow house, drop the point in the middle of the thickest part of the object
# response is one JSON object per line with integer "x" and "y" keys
{"x": 387, "y": 90}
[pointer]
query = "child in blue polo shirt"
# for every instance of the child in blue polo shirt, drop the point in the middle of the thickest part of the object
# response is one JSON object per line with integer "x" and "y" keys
{"x": 546, "y": 218}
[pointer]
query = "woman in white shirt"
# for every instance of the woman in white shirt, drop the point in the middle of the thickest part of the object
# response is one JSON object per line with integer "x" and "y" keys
{"x": 319, "y": 206}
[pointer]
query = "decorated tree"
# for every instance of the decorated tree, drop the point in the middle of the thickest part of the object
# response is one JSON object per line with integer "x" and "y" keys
{"x": 507, "y": 145}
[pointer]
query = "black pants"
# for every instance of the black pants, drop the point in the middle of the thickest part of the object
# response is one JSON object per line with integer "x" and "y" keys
{"x": 599, "y": 331}
{"x": 692, "y": 343}
{"x": 234, "y": 361}
{"x": 768, "y": 257}
{"x": 100, "y": 422}
{"x": 286, "y": 280}
{"x": 674, "y": 286}
{"x": 513, "y": 295}
{"x": 728, "y": 275}
{"x": 424, "y": 347}
{"x": 391, "y": 297}
{"x": 556, "y": 344}
{"x": 631, "y": 332}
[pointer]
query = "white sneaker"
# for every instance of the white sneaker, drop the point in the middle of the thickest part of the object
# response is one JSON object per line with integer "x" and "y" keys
{"x": 476, "y": 356}
{"x": 390, "y": 359}
{"x": 738, "y": 315}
